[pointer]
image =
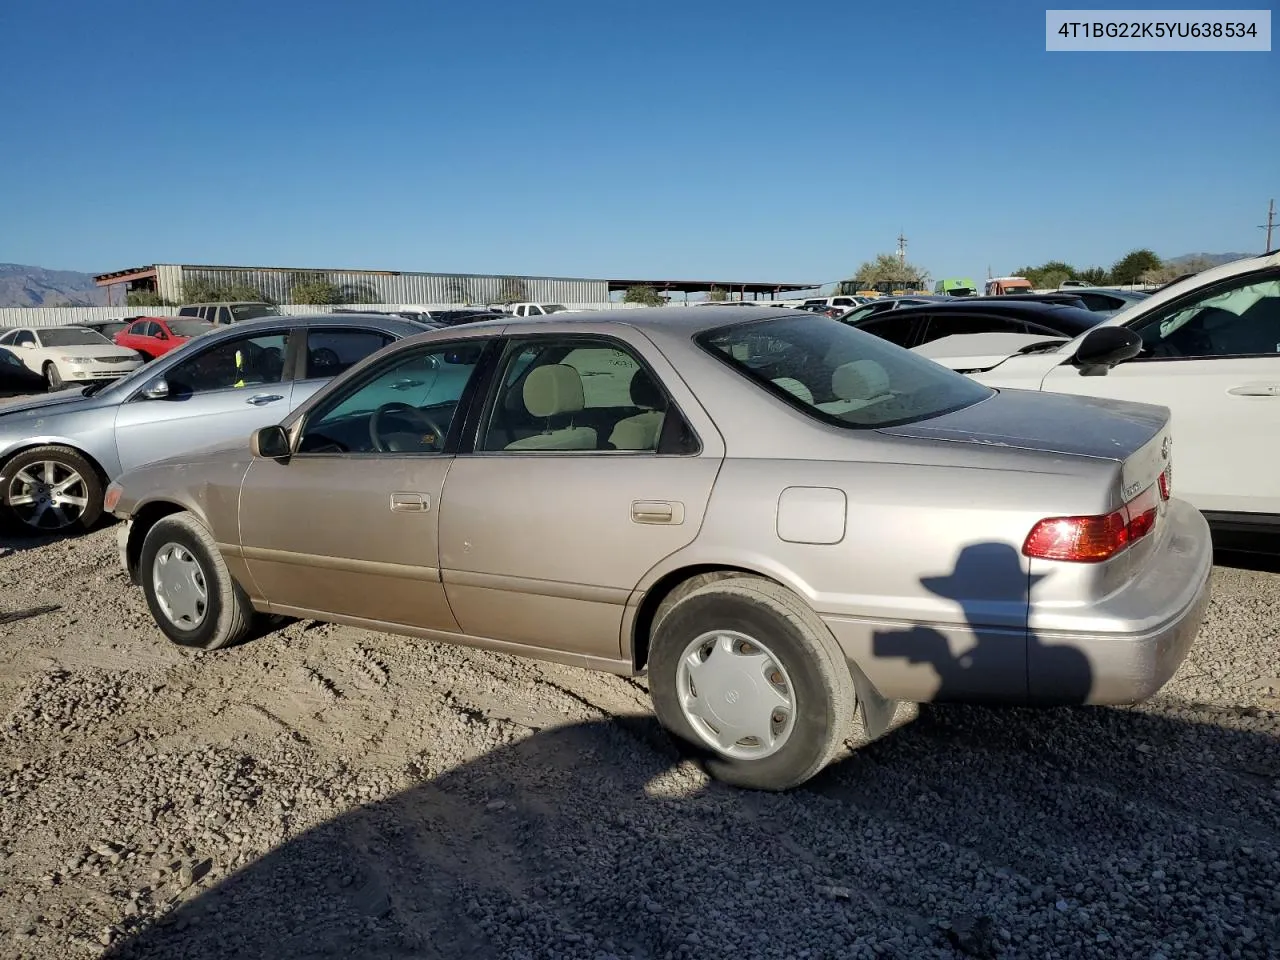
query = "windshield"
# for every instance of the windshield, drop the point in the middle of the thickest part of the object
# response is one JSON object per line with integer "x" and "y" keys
{"x": 248, "y": 311}
{"x": 841, "y": 375}
{"x": 189, "y": 328}
{"x": 69, "y": 337}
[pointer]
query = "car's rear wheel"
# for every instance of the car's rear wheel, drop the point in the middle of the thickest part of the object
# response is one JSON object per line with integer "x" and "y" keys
{"x": 50, "y": 490}
{"x": 746, "y": 673}
{"x": 192, "y": 595}
{"x": 52, "y": 377}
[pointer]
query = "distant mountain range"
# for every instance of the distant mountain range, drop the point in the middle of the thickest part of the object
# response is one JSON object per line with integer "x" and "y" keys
{"x": 1214, "y": 259}
{"x": 24, "y": 286}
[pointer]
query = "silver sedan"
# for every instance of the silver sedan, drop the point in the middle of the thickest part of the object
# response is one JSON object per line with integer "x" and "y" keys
{"x": 789, "y": 524}
{"x": 59, "y": 450}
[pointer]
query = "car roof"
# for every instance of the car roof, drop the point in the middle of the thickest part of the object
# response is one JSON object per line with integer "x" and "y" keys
{"x": 690, "y": 320}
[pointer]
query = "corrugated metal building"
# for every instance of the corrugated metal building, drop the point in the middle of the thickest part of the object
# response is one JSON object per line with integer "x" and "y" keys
{"x": 358, "y": 286}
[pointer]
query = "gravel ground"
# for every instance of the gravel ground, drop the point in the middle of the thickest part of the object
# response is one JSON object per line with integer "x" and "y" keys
{"x": 329, "y": 792}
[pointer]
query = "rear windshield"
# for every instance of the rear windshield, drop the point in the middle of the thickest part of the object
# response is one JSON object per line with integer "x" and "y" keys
{"x": 71, "y": 338}
{"x": 839, "y": 374}
{"x": 190, "y": 328}
{"x": 248, "y": 311}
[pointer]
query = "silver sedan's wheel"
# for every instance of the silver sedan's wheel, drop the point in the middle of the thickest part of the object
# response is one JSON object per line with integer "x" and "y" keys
{"x": 180, "y": 585}
{"x": 746, "y": 673}
{"x": 736, "y": 695}
{"x": 50, "y": 490}
{"x": 48, "y": 495}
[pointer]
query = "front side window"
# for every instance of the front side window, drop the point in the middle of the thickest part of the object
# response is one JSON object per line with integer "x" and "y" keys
{"x": 1238, "y": 318}
{"x": 9, "y": 360}
{"x": 331, "y": 352}
{"x": 234, "y": 364}
{"x": 577, "y": 394}
{"x": 838, "y": 374}
{"x": 408, "y": 407}
{"x": 24, "y": 337}
{"x": 899, "y": 330}
{"x": 71, "y": 337}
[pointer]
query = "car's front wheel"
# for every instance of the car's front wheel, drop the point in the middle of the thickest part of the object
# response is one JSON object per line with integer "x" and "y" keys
{"x": 53, "y": 377}
{"x": 191, "y": 593}
{"x": 50, "y": 490}
{"x": 745, "y": 672}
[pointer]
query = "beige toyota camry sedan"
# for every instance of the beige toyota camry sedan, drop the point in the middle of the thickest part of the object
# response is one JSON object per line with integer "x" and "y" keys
{"x": 788, "y": 524}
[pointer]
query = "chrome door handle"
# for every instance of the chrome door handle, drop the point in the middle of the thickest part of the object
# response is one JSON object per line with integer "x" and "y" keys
{"x": 1256, "y": 390}
{"x": 410, "y": 503}
{"x": 262, "y": 398}
{"x": 657, "y": 511}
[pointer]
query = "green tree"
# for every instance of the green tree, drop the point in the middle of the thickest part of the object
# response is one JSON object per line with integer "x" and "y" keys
{"x": 358, "y": 293}
{"x": 203, "y": 290}
{"x": 886, "y": 268}
{"x": 145, "y": 298}
{"x": 716, "y": 294}
{"x": 1097, "y": 276}
{"x": 1131, "y": 267}
{"x": 313, "y": 288}
{"x": 457, "y": 290}
{"x": 512, "y": 290}
{"x": 644, "y": 295}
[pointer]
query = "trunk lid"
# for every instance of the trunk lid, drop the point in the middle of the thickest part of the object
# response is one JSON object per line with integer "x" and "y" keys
{"x": 1133, "y": 434}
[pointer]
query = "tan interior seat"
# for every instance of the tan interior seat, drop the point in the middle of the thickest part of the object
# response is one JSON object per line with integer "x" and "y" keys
{"x": 856, "y": 384}
{"x": 550, "y": 392}
{"x": 641, "y": 432}
{"x": 795, "y": 388}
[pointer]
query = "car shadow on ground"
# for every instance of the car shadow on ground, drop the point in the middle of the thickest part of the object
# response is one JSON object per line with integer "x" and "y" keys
{"x": 584, "y": 841}
{"x": 970, "y": 831}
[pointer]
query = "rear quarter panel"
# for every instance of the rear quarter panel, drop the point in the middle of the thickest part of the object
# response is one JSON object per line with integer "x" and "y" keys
{"x": 924, "y": 587}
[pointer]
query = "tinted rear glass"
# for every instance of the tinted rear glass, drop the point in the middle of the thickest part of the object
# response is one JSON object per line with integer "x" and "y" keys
{"x": 248, "y": 311}
{"x": 190, "y": 328}
{"x": 839, "y": 374}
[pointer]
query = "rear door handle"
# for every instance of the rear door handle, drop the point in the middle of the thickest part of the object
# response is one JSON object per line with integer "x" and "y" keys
{"x": 1257, "y": 389}
{"x": 657, "y": 511}
{"x": 263, "y": 398}
{"x": 410, "y": 503}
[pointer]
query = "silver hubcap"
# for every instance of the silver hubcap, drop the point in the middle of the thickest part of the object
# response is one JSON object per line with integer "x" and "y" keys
{"x": 180, "y": 586}
{"x": 48, "y": 495}
{"x": 736, "y": 695}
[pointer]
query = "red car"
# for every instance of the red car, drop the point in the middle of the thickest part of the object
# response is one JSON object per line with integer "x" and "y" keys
{"x": 153, "y": 336}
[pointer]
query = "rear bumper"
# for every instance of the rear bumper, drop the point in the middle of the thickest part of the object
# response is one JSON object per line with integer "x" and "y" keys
{"x": 1119, "y": 667}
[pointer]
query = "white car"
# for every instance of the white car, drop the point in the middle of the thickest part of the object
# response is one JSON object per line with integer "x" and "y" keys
{"x": 65, "y": 355}
{"x": 1206, "y": 347}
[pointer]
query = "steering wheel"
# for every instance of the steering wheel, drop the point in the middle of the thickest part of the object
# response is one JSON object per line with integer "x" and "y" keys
{"x": 411, "y": 413}
{"x": 325, "y": 357}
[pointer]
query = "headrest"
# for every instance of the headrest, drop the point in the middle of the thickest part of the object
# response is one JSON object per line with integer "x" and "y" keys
{"x": 555, "y": 388}
{"x": 795, "y": 388}
{"x": 645, "y": 393}
{"x": 859, "y": 380}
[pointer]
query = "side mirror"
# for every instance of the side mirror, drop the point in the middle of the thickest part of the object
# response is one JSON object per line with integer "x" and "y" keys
{"x": 1104, "y": 347}
{"x": 157, "y": 389}
{"x": 270, "y": 443}
{"x": 161, "y": 335}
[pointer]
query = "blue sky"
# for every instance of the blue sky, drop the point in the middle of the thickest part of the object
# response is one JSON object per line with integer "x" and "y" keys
{"x": 746, "y": 140}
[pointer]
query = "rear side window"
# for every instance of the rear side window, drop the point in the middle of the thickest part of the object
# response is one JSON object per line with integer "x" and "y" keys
{"x": 838, "y": 374}
{"x": 899, "y": 330}
{"x": 189, "y": 312}
{"x": 330, "y": 352}
{"x": 949, "y": 325}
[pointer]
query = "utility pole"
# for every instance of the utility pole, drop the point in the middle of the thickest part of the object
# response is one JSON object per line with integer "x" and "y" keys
{"x": 1269, "y": 225}
{"x": 902, "y": 248}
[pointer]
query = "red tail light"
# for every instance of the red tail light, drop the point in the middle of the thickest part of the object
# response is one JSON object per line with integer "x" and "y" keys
{"x": 1166, "y": 483}
{"x": 1098, "y": 538}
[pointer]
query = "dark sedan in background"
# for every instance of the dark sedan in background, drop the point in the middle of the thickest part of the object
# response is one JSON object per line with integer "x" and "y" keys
{"x": 912, "y": 326}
